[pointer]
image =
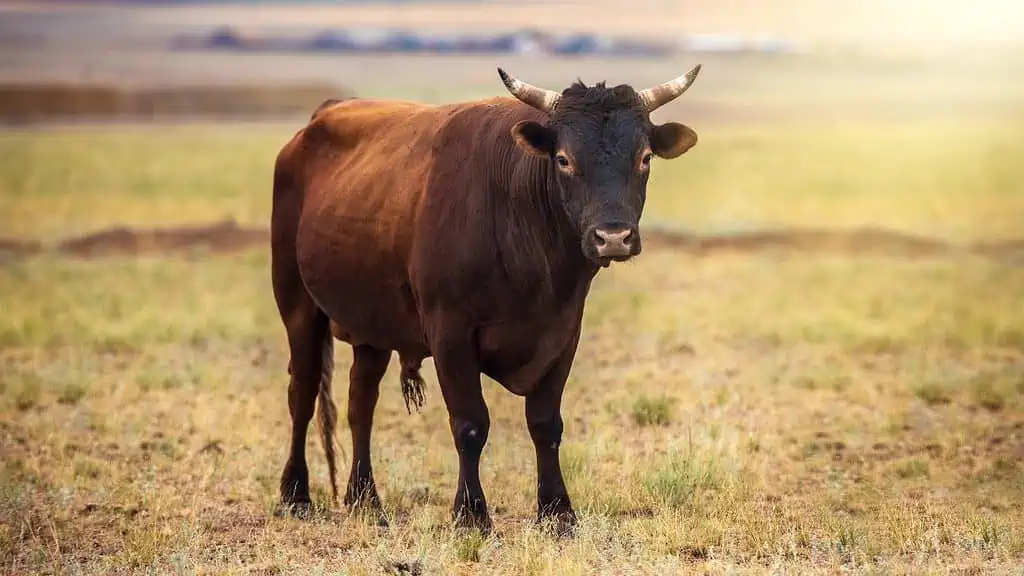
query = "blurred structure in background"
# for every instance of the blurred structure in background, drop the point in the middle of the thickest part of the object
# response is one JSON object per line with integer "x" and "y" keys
{"x": 431, "y": 50}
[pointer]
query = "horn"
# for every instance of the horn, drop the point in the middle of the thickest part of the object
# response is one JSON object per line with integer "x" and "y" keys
{"x": 657, "y": 96}
{"x": 539, "y": 98}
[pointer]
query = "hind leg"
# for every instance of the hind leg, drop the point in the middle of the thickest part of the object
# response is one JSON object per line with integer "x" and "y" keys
{"x": 310, "y": 342}
{"x": 311, "y": 348}
{"x": 368, "y": 367}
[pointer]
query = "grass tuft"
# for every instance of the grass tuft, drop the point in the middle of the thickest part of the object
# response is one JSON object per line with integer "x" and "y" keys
{"x": 468, "y": 547}
{"x": 933, "y": 393}
{"x": 71, "y": 394}
{"x": 653, "y": 411}
{"x": 912, "y": 468}
{"x": 681, "y": 478}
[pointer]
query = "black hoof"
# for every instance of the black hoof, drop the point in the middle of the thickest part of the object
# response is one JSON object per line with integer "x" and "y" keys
{"x": 367, "y": 502}
{"x": 300, "y": 510}
{"x": 559, "y": 519}
{"x": 362, "y": 495}
{"x": 560, "y": 525}
{"x": 478, "y": 521}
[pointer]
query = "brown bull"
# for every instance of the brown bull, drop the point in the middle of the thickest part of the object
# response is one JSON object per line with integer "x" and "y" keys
{"x": 469, "y": 233}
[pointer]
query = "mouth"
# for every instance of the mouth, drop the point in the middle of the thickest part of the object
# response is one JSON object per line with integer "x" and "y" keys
{"x": 606, "y": 261}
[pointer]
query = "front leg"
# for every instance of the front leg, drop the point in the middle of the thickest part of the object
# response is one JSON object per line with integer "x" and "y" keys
{"x": 459, "y": 376}
{"x": 544, "y": 419}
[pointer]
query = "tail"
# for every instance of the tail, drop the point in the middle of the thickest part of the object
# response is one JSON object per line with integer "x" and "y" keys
{"x": 327, "y": 411}
{"x": 412, "y": 383}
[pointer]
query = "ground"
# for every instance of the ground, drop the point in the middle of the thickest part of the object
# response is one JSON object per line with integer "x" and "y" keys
{"x": 759, "y": 408}
{"x": 846, "y": 400}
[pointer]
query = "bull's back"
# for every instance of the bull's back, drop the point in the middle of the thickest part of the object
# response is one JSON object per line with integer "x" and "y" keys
{"x": 363, "y": 165}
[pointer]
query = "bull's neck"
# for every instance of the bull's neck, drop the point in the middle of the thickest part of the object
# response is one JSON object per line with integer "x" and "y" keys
{"x": 539, "y": 219}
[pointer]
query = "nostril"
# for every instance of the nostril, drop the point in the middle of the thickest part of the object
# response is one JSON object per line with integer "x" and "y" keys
{"x": 621, "y": 237}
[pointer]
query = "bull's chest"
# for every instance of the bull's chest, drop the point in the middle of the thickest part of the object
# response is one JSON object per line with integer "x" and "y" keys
{"x": 519, "y": 353}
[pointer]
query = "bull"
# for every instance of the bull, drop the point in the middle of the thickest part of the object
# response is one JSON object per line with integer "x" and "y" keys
{"x": 469, "y": 233}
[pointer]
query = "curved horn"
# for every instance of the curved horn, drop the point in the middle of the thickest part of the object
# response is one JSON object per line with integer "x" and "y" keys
{"x": 539, "y": 98}
{"x": 657, "y": 96}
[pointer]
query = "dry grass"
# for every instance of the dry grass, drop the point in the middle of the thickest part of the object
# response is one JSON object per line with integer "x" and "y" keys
{"x": 727, "y": 414}
{"x": 143, "y": 435}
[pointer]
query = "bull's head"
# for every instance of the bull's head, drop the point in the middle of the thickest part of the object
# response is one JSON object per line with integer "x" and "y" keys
{"x": 600, "y": 142}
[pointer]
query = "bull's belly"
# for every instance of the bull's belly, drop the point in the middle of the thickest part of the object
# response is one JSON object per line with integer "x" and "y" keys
{"x": 376, "y": 319}
{"x": 518, "y": 356}
{"x": 368, "y": 303}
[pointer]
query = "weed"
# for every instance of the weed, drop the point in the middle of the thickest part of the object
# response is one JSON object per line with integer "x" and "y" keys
{"x": 652, "y": 411}
{"x": 71, "y": 394}
{"x": 933, "y": 393}
{"x": 468, "y": 547}
{"x": 680, "y": 478}
{"x": 912, "y": 468}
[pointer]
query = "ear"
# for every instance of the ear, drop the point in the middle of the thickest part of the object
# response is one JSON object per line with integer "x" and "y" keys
{"x": 534, "y": 138}
{"x": 672, "y": 139}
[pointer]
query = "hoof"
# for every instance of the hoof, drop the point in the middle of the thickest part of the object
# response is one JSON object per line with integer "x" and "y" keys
{"x": 561, "y": 523}
{"x": 478, "y": 521}
{"x": 362, "y": 495}
{"x": 365, "y": 502}
{"x": 300, "y": 510}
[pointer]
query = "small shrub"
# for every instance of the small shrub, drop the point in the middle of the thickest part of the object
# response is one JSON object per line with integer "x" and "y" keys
{"x": 988, "y": 396}
{"x": 467, "y": 548}
{"x": 933, "y": 394}
{"x": 88, "y": 468}
{"x": 679, "y": 480}
{"x": 71, "y": 395}
{"x": 913, "y": 468}
{"x": 988, "y": 533}
{"x": 27, "y": 398}
{"x": 648, "y": 411}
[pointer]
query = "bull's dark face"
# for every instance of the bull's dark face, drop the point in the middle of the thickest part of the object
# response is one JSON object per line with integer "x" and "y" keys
{"x": 600, "y": 142}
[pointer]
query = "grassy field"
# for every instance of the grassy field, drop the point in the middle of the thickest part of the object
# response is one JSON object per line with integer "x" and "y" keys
{"x": 777, "y": 411}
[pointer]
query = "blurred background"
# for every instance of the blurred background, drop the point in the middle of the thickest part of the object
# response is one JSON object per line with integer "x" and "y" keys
{"x": 825, "y": 360}
{"x": 795, "y": 67}
{"x": 792, "y": 56}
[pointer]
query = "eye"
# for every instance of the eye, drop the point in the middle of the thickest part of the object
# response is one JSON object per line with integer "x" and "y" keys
{"x": 646, "y": 160}
{"x": 562, "y": 160}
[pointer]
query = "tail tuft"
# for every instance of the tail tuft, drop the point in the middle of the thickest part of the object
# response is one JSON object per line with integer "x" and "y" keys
{"x": 327, "y": 412}
{"x": 413, "y": 386}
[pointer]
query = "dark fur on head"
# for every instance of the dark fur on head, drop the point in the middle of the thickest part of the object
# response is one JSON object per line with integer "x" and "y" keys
{"x": 600, "y": 141}
{"x": 599, "y": 95}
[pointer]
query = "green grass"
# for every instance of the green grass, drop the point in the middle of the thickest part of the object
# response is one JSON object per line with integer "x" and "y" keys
{"x": 64, "y": 183}
{"x": 652, "y": 411}
{"x": 945, "y": 178}
{"x": 732, "y": 413}
{"x": 949, "y": 178}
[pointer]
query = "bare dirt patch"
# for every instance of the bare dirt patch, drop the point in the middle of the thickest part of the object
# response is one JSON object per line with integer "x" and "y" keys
{"x": 21, "y": 103}
{"x": 866, "y": 240}
{"x": 220, "y": 237}
{"x": 228, "y": 236}
{"x": 11, "y": 247}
